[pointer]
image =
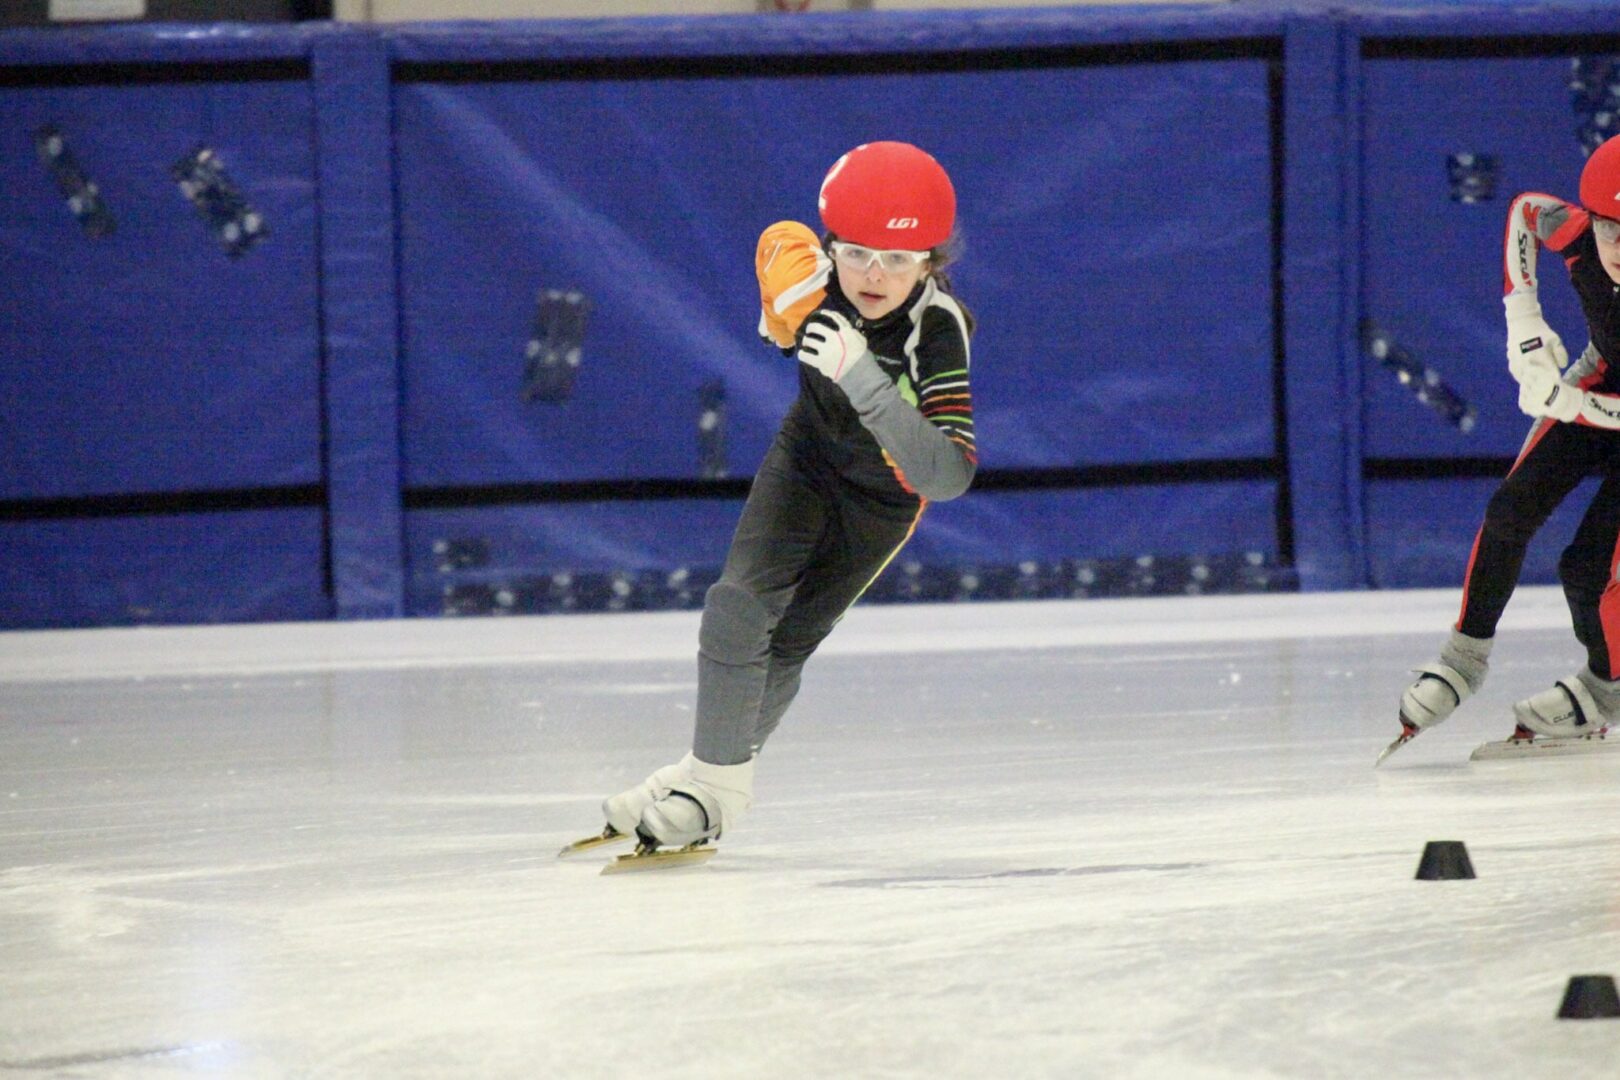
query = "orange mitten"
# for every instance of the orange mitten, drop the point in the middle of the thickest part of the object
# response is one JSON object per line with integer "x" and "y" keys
{"x": 792, "y": 271}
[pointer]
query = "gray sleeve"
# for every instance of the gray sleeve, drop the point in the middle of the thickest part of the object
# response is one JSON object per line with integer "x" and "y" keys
{"x": 935, "y": 467}
{"x": 1584, "y": 365}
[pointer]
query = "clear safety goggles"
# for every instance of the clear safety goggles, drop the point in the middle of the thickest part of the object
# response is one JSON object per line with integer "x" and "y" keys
{"x": 860, "y": 259}
{"x": 1606, "y": 229}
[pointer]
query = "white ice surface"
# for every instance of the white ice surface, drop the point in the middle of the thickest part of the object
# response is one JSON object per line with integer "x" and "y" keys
{"x": 1093, "y": 839}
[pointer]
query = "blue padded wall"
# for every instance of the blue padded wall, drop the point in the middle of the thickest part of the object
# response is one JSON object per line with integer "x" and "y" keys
{"x": 512, "y": 187}
{"x": 1427, "y": 530}
{"x": 1431, "y": 266}
{"x": 359, "y": 319}
{"x": 462, "y": 559}
{"x": 247, "y": 565}
{"x": 1171, "y": 253}
{"x": 146, "y": 364}
{"x": 515, "y": 180}
{"x": 169, "y": 364}
{"x": 1001, "y": 527}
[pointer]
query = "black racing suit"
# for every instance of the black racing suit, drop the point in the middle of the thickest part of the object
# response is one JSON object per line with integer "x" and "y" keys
{"x": 1558, "y": 456}
{"x": 839, "y": 492}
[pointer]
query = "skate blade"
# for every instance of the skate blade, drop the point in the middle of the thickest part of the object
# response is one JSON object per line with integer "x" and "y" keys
{"x": 1408, "y": 733}
{"x": 661, "y": 858}
{"x": 609, "y": 835}
{"x": 1599, "y": 742}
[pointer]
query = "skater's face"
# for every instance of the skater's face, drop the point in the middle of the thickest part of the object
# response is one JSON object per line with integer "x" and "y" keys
{"x": 877, "y": 281}
{"x": 1606, "y": 231}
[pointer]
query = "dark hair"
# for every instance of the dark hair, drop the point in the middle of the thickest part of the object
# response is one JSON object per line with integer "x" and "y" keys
{"x": 939, "y": 257}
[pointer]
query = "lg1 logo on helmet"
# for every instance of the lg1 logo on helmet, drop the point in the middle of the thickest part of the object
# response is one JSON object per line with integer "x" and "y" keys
{"x": 902, "y": 223}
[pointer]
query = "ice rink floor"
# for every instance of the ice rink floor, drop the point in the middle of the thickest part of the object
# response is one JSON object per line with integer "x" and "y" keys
{"x": 1089, "y": 839}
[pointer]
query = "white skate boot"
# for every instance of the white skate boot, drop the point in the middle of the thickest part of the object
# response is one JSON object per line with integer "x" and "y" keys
{"x": 1572, "y": 717}
{"x": 1439, "y": 689}
{"x": 710, "y": 800}
{"x": 623, "y": 811}
{"x": 1568, "y": 710}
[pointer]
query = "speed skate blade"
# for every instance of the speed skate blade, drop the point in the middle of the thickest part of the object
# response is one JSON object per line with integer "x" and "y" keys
{"x": 1599, "y": 742}
{"x": 609, "y": 835}
{"x": 1392, "y": 747}
{"x": 1409, "y": 731}
{"x": 661, "y": 859}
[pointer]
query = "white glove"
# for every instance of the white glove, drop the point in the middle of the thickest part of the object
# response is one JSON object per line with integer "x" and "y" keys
{"x": 1531, "y": 343}
{"x": 1542, "y": 394}
{"x": 831, "y": 345}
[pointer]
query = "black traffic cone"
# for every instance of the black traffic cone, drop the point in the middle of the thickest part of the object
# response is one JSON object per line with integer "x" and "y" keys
{"x": 1445, "y": 860}
{"x": 1589, "y": 997}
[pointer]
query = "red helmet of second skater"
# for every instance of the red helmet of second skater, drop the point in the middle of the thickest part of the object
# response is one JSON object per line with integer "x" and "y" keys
{"x": 888, "y": 195}
{"x": 1600, "y": 180}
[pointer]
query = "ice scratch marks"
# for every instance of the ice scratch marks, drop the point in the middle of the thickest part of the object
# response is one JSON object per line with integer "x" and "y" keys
{"x": 997, "y": 877}
{"x": 108, "y": 1057}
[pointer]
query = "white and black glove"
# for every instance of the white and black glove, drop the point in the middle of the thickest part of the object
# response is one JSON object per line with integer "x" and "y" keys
{"x": 831, "y": 345}
{"x": 1542, "y": 394}
{"x": 1531, "y": 343}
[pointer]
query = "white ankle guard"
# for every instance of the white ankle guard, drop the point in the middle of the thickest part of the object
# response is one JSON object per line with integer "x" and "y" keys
{"x": 1440, "y": 688}
{"x": 710, "y": 800}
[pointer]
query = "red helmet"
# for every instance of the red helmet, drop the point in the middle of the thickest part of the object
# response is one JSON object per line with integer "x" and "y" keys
{"x": 1600, "y": 180}
{"x": 888, "y": 195}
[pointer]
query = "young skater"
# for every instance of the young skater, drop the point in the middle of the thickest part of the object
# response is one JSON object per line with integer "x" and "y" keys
{"x": 882, "y": 426}
{"x": 1574, "y": 436}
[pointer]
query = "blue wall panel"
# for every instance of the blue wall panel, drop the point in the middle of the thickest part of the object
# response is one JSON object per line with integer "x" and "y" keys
{"x": 148, "y": 359}
{"x": 163, "y": 568}
{"x": 1149, "y": 272}
{"x": 519, "y": 549}
{"x": 497, "y": 559}
{"x": 1427, "y": 530}
{"x": 1431, "y": 268}
{"x": 1432, "y": 265}
{"x": 1008, "y": 527}
{"x": 1098, "y": 202}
